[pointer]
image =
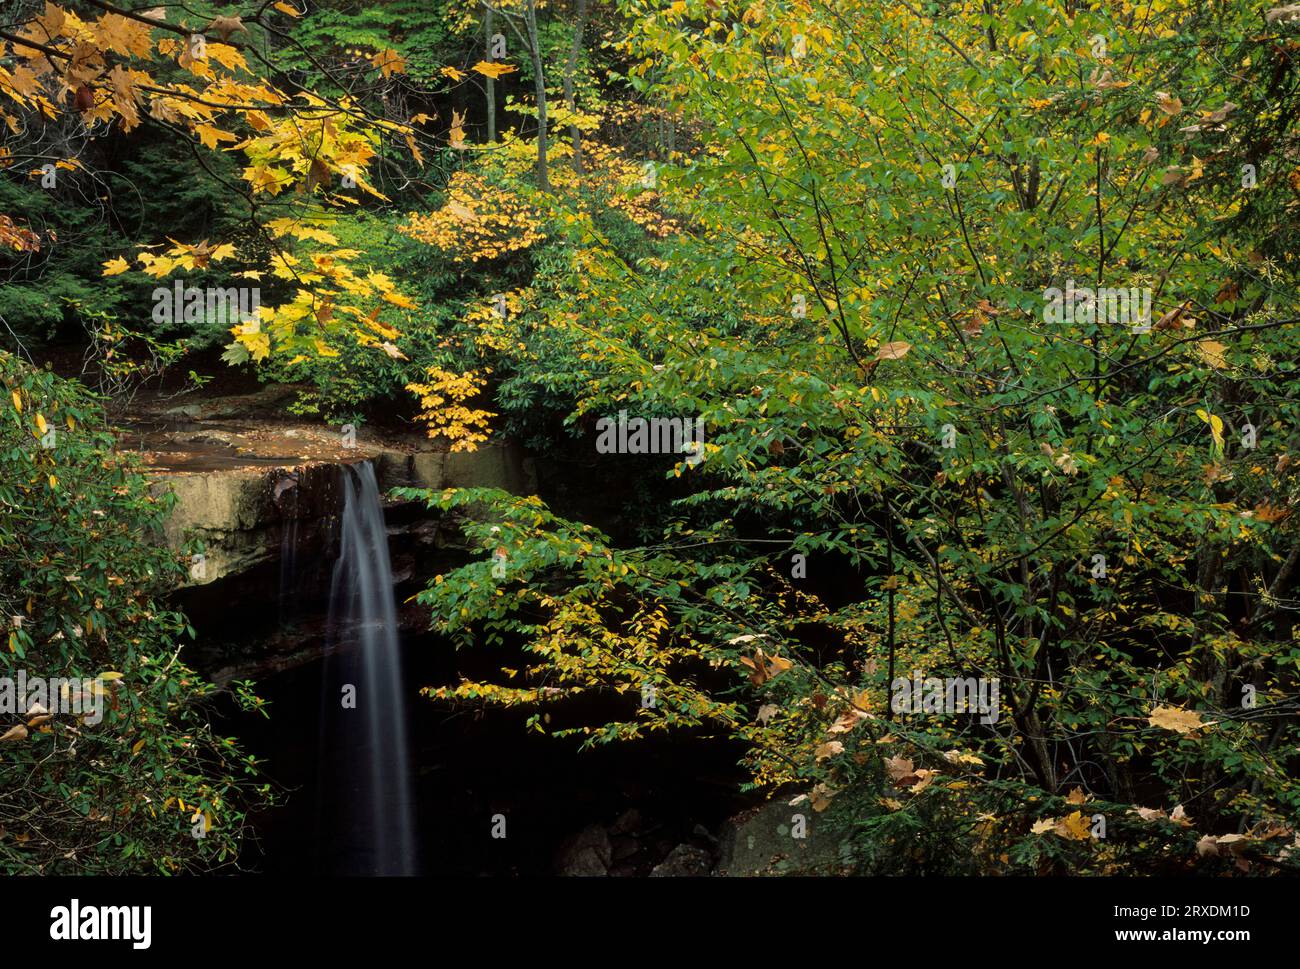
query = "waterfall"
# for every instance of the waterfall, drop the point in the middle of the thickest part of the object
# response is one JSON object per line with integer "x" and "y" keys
{"x": 364, "y": 737}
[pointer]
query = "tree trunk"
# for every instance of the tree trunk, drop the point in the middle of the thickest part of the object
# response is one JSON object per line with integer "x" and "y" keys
{"x": 574, "y": 53}
{"x": 539, "y": 82}
{"x": 491, "y": 84}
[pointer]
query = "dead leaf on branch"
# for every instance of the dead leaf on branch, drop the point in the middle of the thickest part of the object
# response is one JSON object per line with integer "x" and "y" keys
{"x": 763, "y": 667}
{"x": 829, "y": 749}
{"x": 896, "y": 350}
{"x": 1173, "y": 718}
{"x": 223, "y": 27}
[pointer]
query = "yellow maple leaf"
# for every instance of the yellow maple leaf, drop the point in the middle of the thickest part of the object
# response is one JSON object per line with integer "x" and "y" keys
{"x": 389, "y": 62}
{"x": 493, "y": 69}
{"x": 1073, "y": 827}
{"x": 211, "y": 136}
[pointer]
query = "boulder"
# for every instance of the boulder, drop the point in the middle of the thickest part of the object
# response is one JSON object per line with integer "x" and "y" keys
{"x": 763, "y": 841}
{"x": 684, "y": 861}
{"x": 586, "y": 854}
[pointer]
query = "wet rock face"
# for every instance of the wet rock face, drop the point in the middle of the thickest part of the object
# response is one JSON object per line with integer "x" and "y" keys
{"x": 241, "y": 514}
{"x": 245, "y": 475}
{"x": 261, "y": 491}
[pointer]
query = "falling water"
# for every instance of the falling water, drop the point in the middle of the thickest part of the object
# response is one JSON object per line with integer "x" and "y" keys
{"x": 367, "y": 743}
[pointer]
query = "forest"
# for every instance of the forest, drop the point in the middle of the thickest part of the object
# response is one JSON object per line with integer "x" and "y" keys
{"x": 619, "y": 437}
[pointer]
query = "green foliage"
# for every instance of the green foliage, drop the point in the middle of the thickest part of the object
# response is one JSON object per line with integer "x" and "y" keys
{"x": 930, "y": 469}
{"x": 81, "y": 591}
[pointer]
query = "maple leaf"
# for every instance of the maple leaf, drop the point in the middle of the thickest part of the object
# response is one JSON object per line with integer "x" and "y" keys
{"x": 415, "y": 149}
{"x": 493, "y": 69}
{"x": 389, "y": 62}
{"x": 1172, "y": 718}
{"x": 212, "y": 136}
{"x": 223, "y": 27}
{"x": 821, "y": 797}
{"x": 457, "y": 133}
{"x": 764, "y": 668}
{"x": 115, "y": 266}
{"x": 1073, "y": 827}
{"x": 899, "y": 769}
{"x": 829, "y": 749}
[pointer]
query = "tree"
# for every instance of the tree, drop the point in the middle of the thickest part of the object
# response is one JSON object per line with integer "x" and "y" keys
{"x": 899, "y": 314}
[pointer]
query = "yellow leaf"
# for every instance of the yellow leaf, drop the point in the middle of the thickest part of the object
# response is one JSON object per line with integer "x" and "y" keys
{"x": 211, "y": 136}
{"x": 287, "y": 8}
{"x": 1073, "y": 827}
{"x": 18, "y": 402}
{"x": 1213, "y": 352}
{"x": 115, "y": 266}
{"x": 493, "y": 69}
{"x": 389, "y": 62}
